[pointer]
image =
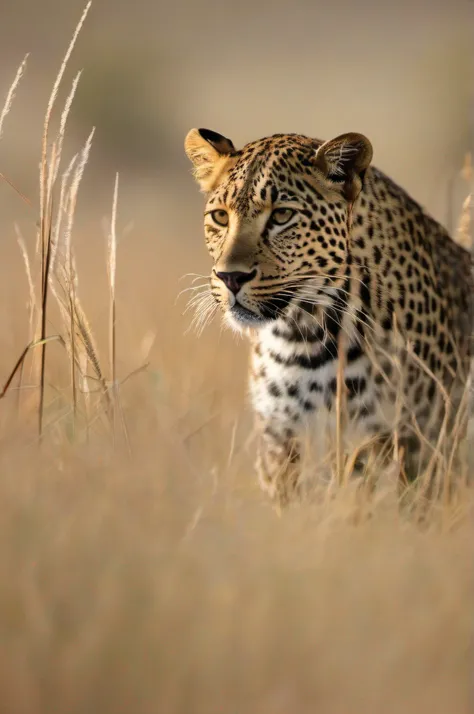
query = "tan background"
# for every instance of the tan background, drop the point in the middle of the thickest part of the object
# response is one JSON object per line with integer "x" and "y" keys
{"x": 399, "y": 72}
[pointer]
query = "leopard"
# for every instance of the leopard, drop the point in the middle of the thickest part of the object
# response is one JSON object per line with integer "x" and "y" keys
{"x": 349, "y": 292}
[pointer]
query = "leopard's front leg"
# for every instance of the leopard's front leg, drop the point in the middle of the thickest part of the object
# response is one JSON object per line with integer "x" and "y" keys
{"x": 279, "y": 413}
{"x": 278, "y": 464}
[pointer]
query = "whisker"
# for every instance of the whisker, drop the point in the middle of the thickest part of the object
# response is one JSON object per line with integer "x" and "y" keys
{"x": 192, "y": 289}
{"x": 196, "y": 276}
{"x": 197, "y": 300}
{"x": 203, "y": 314}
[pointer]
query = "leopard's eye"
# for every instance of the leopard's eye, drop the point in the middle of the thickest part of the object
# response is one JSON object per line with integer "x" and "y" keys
{"x": 220, "y": 217}
{"x": 280, "y": 216}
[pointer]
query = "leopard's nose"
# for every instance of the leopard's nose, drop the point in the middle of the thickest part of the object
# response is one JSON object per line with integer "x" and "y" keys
{"x": 235, "y": 279}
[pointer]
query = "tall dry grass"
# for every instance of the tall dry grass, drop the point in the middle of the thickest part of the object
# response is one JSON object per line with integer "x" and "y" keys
{"x": 141, "y": 570}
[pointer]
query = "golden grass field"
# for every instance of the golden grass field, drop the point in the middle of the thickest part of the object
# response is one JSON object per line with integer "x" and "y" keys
{"x": 141, "y": 569}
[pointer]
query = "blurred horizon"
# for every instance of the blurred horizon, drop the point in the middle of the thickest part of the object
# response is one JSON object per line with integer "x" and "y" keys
{"x": 398, "y": 73}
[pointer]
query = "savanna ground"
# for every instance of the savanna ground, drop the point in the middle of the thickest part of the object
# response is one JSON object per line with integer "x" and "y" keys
{"x": 141, "y": 569}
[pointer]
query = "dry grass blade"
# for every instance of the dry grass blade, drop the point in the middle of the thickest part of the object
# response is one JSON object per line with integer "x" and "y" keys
{"x": 32, "y": 304}
{"x": 15, "y": 188}
{"x": 112, "y": 270}
{"x": 62, "y": 210}
{"x": 48, "y": 173}
{"x": 464, "y": 236}
{"x": 464, "y": 231}
{"x": 11, "y": 93}
{"x": 21, "y": 359}
{"x": 62, "y": 125}
{"x": 5, "y": 110}
{"x": 340, "y": 411}
{"x": 80, "y": 341}
{"x": 112, "y": 274}
{"x": 69, "y": 261}
{"x": 44, "y": 198}
{"x": 43, "y": 315}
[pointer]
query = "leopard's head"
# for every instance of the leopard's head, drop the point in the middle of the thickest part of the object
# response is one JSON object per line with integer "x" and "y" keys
{"x": 276, "y": 218}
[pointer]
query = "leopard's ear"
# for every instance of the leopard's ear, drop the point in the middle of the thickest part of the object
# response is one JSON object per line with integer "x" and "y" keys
{"x": 343, "y": 162}
{"x": 207, "y": 151}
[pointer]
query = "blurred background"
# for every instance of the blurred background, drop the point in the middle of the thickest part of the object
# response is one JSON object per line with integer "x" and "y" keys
{"x": 398, "y": 72}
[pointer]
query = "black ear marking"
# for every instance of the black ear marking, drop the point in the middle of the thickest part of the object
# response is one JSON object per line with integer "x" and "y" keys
{"x": 219, "y": 142}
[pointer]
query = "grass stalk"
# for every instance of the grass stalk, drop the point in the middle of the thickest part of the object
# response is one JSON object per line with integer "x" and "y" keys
{"x": 43, "y": 317}
{"x": 112, "y": 272}
{"x": 48, "y": 173}
{"x": 340, "y": 411}
{"x": 11, "y": 93}
{"x": 21, "y": 359}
